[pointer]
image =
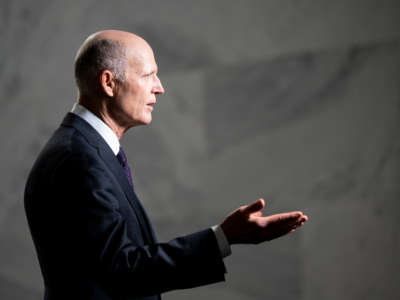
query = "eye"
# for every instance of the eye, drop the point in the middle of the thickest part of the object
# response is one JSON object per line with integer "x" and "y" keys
{"x": 149, "y": 74}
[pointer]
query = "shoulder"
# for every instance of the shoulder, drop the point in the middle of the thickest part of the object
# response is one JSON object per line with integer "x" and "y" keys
{"x": 70, "y": 164}
{"x": 77, "y": 154}
{"x": 82, "y": 172}
{"x": 67, "y": 150}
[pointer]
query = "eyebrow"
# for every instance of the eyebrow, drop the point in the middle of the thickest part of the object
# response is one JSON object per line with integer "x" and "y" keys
{"x": 154, "y": 71}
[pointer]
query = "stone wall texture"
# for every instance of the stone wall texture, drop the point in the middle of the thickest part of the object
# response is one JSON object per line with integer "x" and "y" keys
{"x": 296, "y": 101}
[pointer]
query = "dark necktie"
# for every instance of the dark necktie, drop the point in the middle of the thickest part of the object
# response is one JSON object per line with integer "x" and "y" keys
{"x": 124, "y": 163}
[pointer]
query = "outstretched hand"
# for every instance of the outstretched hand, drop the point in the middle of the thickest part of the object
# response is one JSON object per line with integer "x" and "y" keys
{"x": 247, "y": 225}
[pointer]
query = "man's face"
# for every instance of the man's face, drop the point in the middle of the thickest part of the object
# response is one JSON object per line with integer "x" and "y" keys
{"x": 136, "y": 97}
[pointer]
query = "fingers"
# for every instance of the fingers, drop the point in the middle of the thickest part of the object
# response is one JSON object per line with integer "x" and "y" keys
{"x": 282, "y": 230}
{"x": 257, "y": 214}
{"x": 294, "y": 227}
{"x": 295, "y": 223}
{"x": 288, "y": 217}
{"x": 254, "y": 207}
{"x": 283, "y": 220}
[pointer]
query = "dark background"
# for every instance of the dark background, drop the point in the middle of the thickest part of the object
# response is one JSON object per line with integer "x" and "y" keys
{"x": 295, "y": 101}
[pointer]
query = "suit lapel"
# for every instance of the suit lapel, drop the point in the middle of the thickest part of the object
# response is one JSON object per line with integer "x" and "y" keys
{"x": 111, "y": 161}
{"x": 146, "y": 219}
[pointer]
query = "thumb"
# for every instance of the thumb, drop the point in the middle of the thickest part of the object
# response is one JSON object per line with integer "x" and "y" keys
{"x": 254, "y": 207}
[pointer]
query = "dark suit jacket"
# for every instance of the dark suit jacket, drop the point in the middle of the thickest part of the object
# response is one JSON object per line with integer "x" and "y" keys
{"x": 91, "y": 234}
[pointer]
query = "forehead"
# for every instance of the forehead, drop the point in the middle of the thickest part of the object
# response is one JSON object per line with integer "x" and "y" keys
{"x": 141, "y": 58}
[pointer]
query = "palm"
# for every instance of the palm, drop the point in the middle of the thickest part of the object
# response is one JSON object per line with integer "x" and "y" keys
{"x": 248, "y": 225}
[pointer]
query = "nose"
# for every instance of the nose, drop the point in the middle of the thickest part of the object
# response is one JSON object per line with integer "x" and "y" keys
{"x": 158, "y": 88}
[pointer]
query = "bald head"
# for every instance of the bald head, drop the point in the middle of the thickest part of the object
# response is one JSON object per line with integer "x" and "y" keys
{"x": 117, "y": 35}
{"x": 106, "y": 50}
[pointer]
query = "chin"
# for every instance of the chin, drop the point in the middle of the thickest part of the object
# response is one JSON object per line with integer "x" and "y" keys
{"x": 146, "y": 120}
{"x": 140, "y": 122}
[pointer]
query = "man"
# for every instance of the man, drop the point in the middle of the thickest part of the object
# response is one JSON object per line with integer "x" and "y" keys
{"x": 91, "y": 233}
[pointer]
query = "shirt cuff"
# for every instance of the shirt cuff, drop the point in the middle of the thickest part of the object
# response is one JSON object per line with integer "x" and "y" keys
{"x": 222, "y": 241}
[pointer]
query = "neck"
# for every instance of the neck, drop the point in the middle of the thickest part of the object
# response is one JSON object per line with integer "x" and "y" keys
{"x": 99, "y": 108}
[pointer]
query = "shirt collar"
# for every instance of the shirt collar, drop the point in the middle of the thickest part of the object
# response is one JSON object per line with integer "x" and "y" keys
{"x": 106, "y": 133}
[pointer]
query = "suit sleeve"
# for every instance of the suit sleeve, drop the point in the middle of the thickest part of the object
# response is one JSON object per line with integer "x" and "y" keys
{"x": 118, "y": 259}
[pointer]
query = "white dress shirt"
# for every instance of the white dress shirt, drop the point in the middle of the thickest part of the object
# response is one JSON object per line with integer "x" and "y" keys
{"x": 112, "y": 140}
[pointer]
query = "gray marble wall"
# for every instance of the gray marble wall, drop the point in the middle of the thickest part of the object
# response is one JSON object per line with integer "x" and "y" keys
{"x": 297, "y": 101}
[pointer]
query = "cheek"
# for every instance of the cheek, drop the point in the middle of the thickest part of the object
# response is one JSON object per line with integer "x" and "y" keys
{"x": 138, "y": 94}
{"x": 133, "y": 100}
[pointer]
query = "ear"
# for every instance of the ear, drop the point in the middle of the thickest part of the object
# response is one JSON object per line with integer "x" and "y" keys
{"x": 107, "y": 83}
